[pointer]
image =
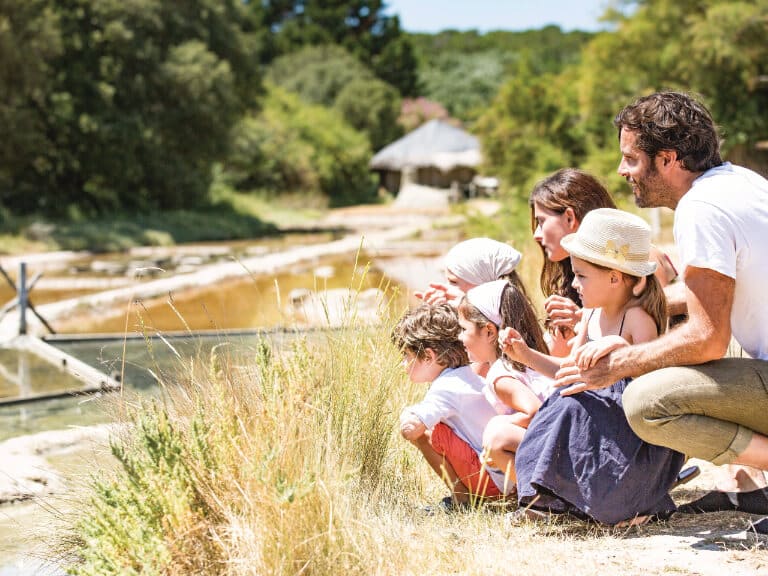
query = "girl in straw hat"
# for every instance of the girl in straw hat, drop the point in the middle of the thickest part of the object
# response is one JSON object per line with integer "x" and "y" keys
{"x": 558, "y": 205}
{"x": 514, "y": 390}
{"x": 579, "y": 454}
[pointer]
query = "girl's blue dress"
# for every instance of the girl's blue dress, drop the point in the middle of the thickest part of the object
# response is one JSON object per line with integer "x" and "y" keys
{"x": 579, "y": 455}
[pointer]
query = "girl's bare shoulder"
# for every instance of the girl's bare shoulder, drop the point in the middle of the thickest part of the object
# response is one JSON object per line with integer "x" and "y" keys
{"x": 639, "y": 326}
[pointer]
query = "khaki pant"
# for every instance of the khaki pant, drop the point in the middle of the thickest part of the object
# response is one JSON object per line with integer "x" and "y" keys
{"x": 708, "y": 411}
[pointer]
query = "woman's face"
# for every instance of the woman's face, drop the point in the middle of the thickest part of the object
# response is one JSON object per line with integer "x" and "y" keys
{"x": 460, "y": 284}
{"x": 551, "y": 227}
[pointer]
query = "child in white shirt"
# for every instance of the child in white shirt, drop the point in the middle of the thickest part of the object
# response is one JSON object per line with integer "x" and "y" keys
{"x": 447, "y": 425}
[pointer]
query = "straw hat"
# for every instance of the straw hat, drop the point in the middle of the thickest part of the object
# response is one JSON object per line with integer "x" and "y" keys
{"x": 614, "y": 239}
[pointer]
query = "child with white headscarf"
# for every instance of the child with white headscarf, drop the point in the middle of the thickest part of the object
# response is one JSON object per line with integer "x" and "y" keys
{"x": 471, "y": 263}
{"x": 514, "y": 390}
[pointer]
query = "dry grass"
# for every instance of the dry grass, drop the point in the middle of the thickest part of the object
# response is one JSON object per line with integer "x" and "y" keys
{"x": 289, "y": 462}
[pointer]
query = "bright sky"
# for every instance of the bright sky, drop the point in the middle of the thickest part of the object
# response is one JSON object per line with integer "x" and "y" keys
{"x": 485, "y": 15}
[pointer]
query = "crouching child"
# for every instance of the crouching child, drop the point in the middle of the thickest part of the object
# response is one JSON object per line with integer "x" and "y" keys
{"x": 447, "y": 425}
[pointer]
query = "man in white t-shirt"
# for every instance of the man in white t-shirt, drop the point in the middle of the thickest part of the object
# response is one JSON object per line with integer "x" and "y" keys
{"x": 686, "y": 395}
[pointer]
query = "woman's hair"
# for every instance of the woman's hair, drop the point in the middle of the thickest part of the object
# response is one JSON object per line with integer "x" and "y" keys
{"x": 579, "y": 191}
{"x": 673, "y": 121}
{"x": 514, "y": 279}
{"x": 435, "y": 327}
{"x": 516, "y": 312}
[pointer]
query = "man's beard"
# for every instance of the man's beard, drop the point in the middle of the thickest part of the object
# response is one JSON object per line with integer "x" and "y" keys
{"x": 649, "y": 190}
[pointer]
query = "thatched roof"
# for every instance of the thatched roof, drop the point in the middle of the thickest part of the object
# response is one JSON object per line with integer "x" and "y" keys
{"x": 435, "y": 143}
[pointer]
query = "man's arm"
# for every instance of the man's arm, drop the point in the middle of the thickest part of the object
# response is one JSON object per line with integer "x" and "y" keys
{"x": 704, "y": 337}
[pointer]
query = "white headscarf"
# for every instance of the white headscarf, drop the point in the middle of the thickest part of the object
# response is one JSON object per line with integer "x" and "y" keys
{"x": 487, "y": 299}
{"x": 481, "y": 260}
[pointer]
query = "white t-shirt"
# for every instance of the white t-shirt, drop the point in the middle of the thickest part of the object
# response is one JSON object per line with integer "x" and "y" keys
{"x": 456, "y": 399}
{"x": 721, "y": 224}
{"x": 539, "y": 384}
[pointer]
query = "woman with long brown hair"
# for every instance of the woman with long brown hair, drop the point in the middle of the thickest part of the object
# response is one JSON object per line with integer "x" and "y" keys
{"x": 558, "y": 204}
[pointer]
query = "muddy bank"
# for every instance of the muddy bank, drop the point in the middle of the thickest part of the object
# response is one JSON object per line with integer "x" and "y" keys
{"x": 27, "y": 472}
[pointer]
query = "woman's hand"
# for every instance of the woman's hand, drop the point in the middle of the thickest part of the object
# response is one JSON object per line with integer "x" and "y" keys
{"x": 562, "y": 313}
{"x": 439, "y": 293}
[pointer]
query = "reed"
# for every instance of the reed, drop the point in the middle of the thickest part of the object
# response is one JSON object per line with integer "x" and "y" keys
{"x": 274, "y": 462}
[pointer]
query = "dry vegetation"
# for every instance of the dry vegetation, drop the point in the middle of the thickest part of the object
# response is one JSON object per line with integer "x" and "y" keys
{"x": 289, "y": 462}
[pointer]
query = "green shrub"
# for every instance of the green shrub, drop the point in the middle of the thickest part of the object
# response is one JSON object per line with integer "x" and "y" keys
{"x": 265, "y": 464}
{"x": 291, "y": 146}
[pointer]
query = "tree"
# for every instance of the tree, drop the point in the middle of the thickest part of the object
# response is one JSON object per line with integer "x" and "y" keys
{"x": 360, "y": 26}
{"x": 531, "y": 128}
{"x": 291, "y": 145}
{"x": 140, "y": 105}
{"x": 317, "y": 73}
{"x": 30, "y": 40}
{"x": 372, "y": 107}
{"x": 714, "y": 48}
{"x": 330, "y": 76}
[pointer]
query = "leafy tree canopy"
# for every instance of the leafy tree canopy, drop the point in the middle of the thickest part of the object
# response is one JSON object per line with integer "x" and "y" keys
{"x": 329, "y": 76}
{"x": 360, "y": 26}
{"x": 713, "y": 48}
{"x": 126, "y": 104}
{"x": 291, "y": 145}
{"x": 464, "y": 70}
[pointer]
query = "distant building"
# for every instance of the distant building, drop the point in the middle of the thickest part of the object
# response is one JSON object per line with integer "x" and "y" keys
{"x": 436, "y": 154}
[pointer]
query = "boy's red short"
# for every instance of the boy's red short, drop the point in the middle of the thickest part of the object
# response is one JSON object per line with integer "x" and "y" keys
{"x": 464, "y": 460}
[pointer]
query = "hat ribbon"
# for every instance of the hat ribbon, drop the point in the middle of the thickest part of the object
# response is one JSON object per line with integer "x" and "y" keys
{"x": 616, "y": 253}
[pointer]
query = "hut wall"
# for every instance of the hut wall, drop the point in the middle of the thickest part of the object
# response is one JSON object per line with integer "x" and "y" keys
{"x": 389, "y": 180}
{"x": 431, "y": 176}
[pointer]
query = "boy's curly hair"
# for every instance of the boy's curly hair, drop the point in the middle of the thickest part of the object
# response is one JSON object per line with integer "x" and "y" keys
{"x": 435, "y": 327}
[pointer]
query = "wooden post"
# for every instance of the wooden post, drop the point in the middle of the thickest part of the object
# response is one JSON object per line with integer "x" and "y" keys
{"x": 22, "y": 298}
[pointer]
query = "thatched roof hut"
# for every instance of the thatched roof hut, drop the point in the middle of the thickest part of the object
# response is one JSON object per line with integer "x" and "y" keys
{"x": 435, "y": 154}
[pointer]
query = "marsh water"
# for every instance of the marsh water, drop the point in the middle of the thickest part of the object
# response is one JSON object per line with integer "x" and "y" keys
{"x": 137, "y": 340}
{"x": 145, "y": 341}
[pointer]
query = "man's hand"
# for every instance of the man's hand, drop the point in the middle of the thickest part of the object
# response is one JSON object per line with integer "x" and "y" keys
{"x": 578, "y": 380}
{"x": 588, "y": 354}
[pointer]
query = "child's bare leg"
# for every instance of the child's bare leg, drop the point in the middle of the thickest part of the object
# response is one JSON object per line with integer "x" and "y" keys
{"x": 442, "y": 468}
{"x": 501, "y": 439}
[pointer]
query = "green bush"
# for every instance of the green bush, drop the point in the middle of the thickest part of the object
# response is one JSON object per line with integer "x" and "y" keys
{"x": 270, "y": 463}
{"x": 292, "y": 146}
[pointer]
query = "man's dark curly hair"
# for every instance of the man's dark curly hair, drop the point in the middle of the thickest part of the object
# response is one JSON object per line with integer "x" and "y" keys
{"x": 435, "y": 327}
{"x": 673, "y": 121}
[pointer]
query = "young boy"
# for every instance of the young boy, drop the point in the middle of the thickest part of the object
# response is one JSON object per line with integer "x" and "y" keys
{"x": 447, "y": 425}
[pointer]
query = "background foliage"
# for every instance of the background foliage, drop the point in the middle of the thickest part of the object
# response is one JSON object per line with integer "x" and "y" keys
{"x": 135, "y": 107}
